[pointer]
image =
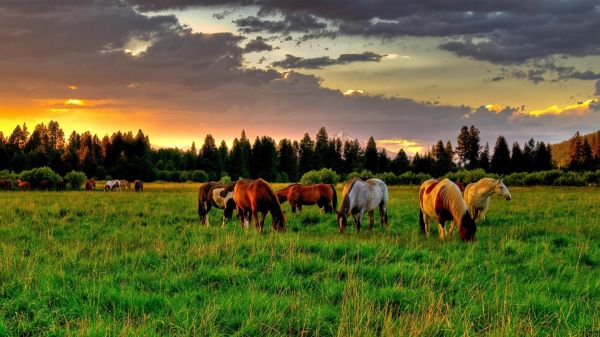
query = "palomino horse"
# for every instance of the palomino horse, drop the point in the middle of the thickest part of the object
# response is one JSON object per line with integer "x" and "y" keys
{"x": 360, "y": 197}
{"x": 112, "y": 185}
{"x": 443, "y": 201}
{"x": 23, "y": 185}
{"x": 222, "y": 198}
{"x": 254, "y": 196}
{"x": 204, "y": 197}
{"x": 323, "y": 195}
{"x": 124, "y": 184}
{"x": 477, "y": 195}
{"x": 90, "y": 184}
{"x": 5, "y": 184}
{"x": 138, "y": 185}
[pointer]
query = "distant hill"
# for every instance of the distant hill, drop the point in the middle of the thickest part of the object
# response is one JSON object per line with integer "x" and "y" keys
{"x": 560, "y": 151}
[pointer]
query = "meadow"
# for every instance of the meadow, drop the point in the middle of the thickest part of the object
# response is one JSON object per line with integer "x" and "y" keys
{"x": 140, "y": 264}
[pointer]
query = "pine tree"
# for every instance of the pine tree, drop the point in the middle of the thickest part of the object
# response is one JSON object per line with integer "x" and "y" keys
{"x": 543, "y": 157}
{"x": 288, "y": 160}
{"x": 501, "y": 158}
{"x": 371, "y": 156}
{"x": 587, "y": 159}
{"x": 484, "y": 158}
{"x": 517, "y": 160}
{"x": 383, "y": 161}
{"x": 224, "y": 157}
{"x": 576, "y": 152}
{"x": 209, "y": 159}
{"x": 352, "y": 156}
{"x": 442, "y": 160}
{"x": 322, "y": 149}
{"x": 306, "y": 154}
{"x": 401, "y": 163}
{"x": 468, "y": 147}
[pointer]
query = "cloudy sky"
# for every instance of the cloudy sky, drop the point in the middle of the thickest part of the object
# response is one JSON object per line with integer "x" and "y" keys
{"x": 407, "y": 72}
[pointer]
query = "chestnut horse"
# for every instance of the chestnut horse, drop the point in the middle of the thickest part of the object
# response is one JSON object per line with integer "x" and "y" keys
{"x": 138, "y": 185}
{"x": 23, "y": 185}
{"x": 323, "y": 195}
{"x": 90, "y": 184}
{"x": 204, "y": 199}
{"x": 124, "y": 184}
{"x": 442, "y": 200}
{"x": 254, "y": 196}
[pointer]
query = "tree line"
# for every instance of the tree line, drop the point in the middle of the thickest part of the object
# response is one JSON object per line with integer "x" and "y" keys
{"x": 131, "y": 156}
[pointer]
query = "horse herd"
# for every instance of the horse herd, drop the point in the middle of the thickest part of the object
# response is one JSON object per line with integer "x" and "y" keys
{"x": 439, "y": 199}
{"x": 24, "y": 185}
{"x": 116, "y": 185}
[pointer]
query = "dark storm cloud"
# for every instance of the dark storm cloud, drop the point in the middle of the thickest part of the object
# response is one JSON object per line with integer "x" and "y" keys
{"x": 292, "y": 62}
{"x": 547, "y": 69}
{"x": 257, "y": 45}
{"x": 293, "y": 22}
{"x": 498, "y": 31}
{"x": 598, "y": 88}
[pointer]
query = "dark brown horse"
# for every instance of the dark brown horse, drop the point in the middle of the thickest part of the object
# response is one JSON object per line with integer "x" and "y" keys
{"x": 204, "y": 199}
{"x": 256, "y": 196}
{"x": 138, "y": 185}
{"x": 5, "y": 184}
{"x": 322, "y": 195}
{"x": 23, "y": 185}
{"x": 90, "y": 184}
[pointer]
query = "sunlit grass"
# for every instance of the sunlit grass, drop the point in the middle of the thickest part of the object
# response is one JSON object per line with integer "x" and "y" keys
{"x": 125, "y": 263}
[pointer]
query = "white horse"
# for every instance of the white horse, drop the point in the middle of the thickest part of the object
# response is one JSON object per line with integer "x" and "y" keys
{"x": 477, "y": 195}
{"x": 112, "y": 185}
{"x": 222, "y": 198}
{"x": 442, "y": 200}
{"x": 360, "y": 197}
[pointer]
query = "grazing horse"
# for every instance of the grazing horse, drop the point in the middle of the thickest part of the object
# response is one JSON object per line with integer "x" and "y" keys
{"x": 5, "y": 184}
{"x": 363, "y": 196}
{"x": 323, "y": 195}
{"x": 254, "y": 196}
{"x": 112, "y": 185}
{"x": 204, "y": 199}
{"x": 443, "y": 201}
{"x": 23, "y": 185}
{"x": 477, "y": 195}
{"x": 138, "y": 185}
{"x": 124, "y": 184}
{"x": 90, "y": 185}
{"x": 222, "y": 198}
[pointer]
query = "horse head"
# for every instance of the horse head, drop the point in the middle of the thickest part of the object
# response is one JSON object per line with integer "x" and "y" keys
{"x": 467, "y": 227}
{"x": 501, "y": 189}
{"x": 342, "y": 220}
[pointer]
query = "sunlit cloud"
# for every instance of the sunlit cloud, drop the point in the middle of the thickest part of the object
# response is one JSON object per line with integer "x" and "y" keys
{"x": 354, "y": 92}
{"x": 72, "y": 87}
{"x": 74, "y": 101}
{"x": 394, "y": 145}
{"x": 578, "y": 108}
{"x": 494, "y": 107}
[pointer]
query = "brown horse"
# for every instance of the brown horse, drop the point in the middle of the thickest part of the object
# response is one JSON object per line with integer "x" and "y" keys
{"x": 90, "y": 184}
{"x": 124, "y": 184}
{"x": 23, "y": 185}
{"x": 322, "y": 195}
{"x": 138, "y": 185}
{"x": 254, "y": 196}
{"x": 5, "y": 184}
{"x": 204, "y": 199}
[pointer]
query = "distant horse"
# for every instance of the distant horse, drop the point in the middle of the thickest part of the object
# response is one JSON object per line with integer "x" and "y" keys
{"x": 45, "y": 184}
{"x": 112, "y": 185}
{"x": 204, "y": 200}
{"x": 477, "y": 195}
{"x": 5, "y": 184}
{"x": 282, "y": 194}
{"x": 90, "y": 184}
{"x": 323, "y": 195}
{"x": 254, "y": 196}
{"x": 222, "y": 198}
{"x": 443, "y": 201}
{"x": 23, "y": 185}
{"x": 124, "y": 184}
{"x": 363, "y": 196}
{"x": 138, "y": 185}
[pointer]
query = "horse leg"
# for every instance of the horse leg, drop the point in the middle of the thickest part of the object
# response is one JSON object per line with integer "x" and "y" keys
{"x": 426, "y": 219}
{"x": 255, "y": 217}
{"x": 293, "y": 205}
{"x": 382, "y": 215}
{"x": 299, "y": 207}
{"x": 451, "y": 230}
{"x": 208, "y": 206}
{"x": 441, "y": 230}
{"x": 358, "y": 219}
{"x": 371, "y": 219}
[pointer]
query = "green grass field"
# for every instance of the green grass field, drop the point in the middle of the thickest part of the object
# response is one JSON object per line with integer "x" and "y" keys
{"x": 127, "y": 264}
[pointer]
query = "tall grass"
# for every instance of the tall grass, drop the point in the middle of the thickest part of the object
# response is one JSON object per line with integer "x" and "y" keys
{"x": 131, "y": 264}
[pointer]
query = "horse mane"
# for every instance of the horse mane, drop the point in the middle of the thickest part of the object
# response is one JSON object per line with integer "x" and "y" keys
{"x": 346, "y": 201}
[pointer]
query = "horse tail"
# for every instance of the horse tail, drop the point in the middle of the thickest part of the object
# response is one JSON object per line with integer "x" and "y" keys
{"x": 334, "y": 198}
{"x": 421, "y": 221}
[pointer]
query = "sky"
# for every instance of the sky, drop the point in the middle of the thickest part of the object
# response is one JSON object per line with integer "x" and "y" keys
{"x": 405, "y": 72}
